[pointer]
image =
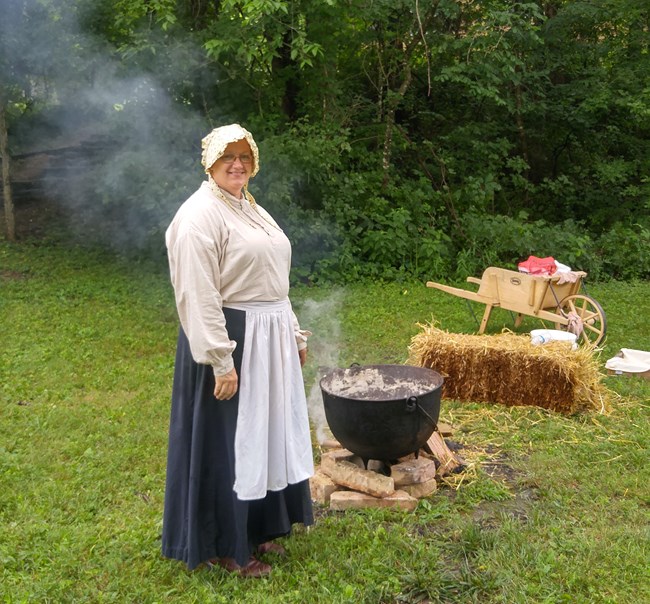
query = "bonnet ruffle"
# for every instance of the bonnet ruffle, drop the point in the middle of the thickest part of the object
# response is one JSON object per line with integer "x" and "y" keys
{"x": 215, "y": 143}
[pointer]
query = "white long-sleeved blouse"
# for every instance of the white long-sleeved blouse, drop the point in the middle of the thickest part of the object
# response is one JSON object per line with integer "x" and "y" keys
{"x": 223, "y": 252}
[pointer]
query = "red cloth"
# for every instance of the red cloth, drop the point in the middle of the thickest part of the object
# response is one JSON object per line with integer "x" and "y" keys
{"x": 538, "y": 266}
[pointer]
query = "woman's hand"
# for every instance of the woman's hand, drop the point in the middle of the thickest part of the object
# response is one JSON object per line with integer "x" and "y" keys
{"x": 225, "y": 386}
{"x": 303, "y": 356}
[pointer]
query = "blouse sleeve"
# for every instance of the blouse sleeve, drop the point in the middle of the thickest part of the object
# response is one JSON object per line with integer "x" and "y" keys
{"x": 195, "y": 276}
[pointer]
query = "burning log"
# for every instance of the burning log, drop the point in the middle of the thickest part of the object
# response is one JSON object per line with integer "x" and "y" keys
{"x": 448, "y": 460}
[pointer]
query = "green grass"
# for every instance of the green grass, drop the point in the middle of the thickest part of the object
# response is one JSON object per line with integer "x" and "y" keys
{"x": 555, "y": 508}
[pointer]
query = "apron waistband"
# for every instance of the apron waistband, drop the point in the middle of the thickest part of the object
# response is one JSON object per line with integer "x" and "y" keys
{"x": 277, "y": 306}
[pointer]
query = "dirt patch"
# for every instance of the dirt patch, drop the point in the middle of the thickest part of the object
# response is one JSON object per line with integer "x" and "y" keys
{"x": 9, "y": 275}
{"x": 499, "y": 468}
{"x": 489, "y": 514}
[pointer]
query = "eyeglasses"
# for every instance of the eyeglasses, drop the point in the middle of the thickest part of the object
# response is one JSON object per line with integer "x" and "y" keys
{"x": 230, "y": 158}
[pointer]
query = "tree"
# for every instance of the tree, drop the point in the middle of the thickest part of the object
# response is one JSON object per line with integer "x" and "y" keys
{"x": 10, "y": 87}
{"x": 597, "y": 122}
{"x": 10, "y": 218}
{"x": 390, "y": 128}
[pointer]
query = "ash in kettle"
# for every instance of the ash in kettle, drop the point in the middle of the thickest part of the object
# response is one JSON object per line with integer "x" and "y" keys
{"x": 369, "y": 383}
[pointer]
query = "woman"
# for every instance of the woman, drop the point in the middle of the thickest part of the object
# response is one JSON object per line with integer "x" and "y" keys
{"x": 240, "y": 453}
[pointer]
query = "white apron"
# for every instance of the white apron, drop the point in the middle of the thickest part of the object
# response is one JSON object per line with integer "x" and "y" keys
{"x": 272, "y": 438}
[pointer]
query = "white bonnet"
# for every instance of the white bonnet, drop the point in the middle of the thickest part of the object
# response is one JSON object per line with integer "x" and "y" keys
{"x": 215, "y": 143}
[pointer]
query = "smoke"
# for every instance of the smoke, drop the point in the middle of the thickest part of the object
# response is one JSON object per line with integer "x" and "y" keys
{"x": 122, "y": 146}
{"x": 321, "y": 317}
{"x": 116, "y": 134}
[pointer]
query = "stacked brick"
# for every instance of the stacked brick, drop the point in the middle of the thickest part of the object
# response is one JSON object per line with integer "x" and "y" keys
{"x": 342, "y": 482}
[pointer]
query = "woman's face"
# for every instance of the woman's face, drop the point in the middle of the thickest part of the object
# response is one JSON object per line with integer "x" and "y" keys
{"x": 232, "y": 170}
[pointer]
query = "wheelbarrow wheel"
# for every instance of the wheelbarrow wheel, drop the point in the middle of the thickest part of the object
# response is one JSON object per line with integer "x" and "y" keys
{"x": 590, "y": 314}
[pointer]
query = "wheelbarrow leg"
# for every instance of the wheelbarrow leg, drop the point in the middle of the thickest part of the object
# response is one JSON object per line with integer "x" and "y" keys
{"x": 486, "y": 317}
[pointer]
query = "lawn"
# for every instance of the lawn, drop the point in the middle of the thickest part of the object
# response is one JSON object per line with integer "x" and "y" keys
{"x": 551, "y": 508}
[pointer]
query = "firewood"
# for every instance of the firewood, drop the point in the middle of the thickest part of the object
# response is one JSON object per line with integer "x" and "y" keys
{"x": 449, "y": 461}
{"x": 349, "y": 475}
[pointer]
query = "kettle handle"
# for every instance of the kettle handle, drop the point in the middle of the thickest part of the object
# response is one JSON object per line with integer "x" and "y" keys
{"x": 412, "y": 404}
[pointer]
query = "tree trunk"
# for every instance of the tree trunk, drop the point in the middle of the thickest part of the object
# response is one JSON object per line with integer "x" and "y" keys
{"x": 390, "y": 122}
{"x": 394, "y": 97}
{"x": 523, "y": 139}
{"x": 10, "y": 218}
{"x": 285, "y": 67}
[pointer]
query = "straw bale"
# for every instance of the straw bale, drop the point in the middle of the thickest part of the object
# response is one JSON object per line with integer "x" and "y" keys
{"x": 507, "y": 369}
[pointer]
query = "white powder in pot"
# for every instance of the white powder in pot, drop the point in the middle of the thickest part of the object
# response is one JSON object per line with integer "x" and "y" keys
{"x": 371, "y": 384}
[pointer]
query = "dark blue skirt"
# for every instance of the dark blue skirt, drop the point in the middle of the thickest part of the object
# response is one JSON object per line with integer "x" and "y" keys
{"x": 203, "y": 518}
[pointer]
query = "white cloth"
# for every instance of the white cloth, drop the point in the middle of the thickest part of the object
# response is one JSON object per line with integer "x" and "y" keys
{"x": 272, "y": 439}
{"x": 629, "y": 360}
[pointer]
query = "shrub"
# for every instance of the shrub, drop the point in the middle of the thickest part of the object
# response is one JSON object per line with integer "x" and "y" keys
{"x": 625, "y": 252}
{"x": 505, "y": 241}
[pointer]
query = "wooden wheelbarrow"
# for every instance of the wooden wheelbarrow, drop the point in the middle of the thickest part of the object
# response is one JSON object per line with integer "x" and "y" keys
{"x": 548, "y": 298}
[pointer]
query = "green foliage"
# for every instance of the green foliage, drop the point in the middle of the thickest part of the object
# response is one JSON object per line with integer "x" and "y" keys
{"x": 385, "y": 238}
{"x": 399, "y": 139}
{"x": 503, "y": 241}
{"x": 619, "y": 253}
{"x": 130, "y": 15}
{"x": 255, "y": 32}
{"x": 598, "y": 55}
{"x": 625, "y": 252}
